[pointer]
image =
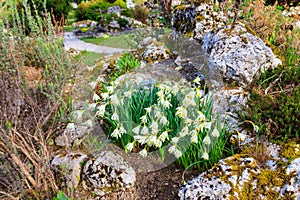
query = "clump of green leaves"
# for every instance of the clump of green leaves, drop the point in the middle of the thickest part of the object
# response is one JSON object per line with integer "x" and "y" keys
{"x": 61, "y": 196}
{"x": 170, "y": 118}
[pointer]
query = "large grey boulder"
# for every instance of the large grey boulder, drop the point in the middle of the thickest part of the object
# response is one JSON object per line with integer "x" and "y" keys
{"x": 70, "y": 167}
{"x": 107, "y": 173}
{"x": 237, "y": 55}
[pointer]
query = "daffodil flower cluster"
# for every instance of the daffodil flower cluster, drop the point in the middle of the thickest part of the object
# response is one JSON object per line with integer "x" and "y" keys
{"x": 155, "y": 116}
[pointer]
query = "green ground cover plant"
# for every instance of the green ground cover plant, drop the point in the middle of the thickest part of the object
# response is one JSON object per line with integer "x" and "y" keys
{"x": 274, "y": 102}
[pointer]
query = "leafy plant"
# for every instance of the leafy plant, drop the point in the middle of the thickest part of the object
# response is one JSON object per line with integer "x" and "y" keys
{"x": 169, "y": 118}
{"x": 61, "y": 196}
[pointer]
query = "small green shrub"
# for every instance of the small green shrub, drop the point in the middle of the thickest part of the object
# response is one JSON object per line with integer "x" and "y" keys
{"x": 91, "y": 10}
{"x": 122, "y": 22}
{"x": 61, "y": 196}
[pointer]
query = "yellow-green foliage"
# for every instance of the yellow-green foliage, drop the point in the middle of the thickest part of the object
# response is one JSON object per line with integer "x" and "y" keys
{"x": 291, "y": 150}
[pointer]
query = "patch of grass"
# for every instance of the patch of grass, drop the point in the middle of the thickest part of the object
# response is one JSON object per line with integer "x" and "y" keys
{"x": 118, "y": 41}
{"x": 88, "y": 58}
{"x": 69, "y": 28}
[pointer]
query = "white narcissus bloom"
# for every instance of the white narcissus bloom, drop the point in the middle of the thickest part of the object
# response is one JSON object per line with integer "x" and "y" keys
{"x": 201, "y": 117}
{"x": 184, "y": 131}
{"x": 148, "y": 110}
{"x": 175, "y": 140}
{"x": 104, "y": 95}
{"x": 160, "y": 94}
{"x": 140, "y": 139}
{"x": 136, "y": 130}
{"x": 143, "y": 153}
{"x": 144, "y": 119}
{"x": 194, "y": 136}
{"x": 158, "y": 114}
{"x": 177, "y": 153}
{"x": 181, "y": 112}
{"x": 163, "y": 136}
{"x": 189, "y": 99}
{"x": 199, "y": 93}
{"x": 188, "y": 121}
{"x": 96, "y": 97}
{"x": 127, "y": 93}
{"x": 175, "y": 89}
{"x": 205, "y": 156}
{"x": 165, "y": 103}
{"x": 93, "y": 84}
{"x": 92, "y": 106}
{"x": 154, "y": 127}
{"x": 215, "y": 133}
{"x": 129, "y": 146}
{"x": 101, "y": 110}
{"x": 116, "y": 133}
{"x": 115, "y": 116}
{"x": 207, "y": 140}
{"x": 164, "y": 120}
{"x": 145, "y": 130}
{"x": 114, "y": 100}
{"x": 207, "y": 125}
{"x": 110, "y": 89}
{"x": 157, "y": 143}
{"x": 172, "y": 149}
{"x": 122, "y": 130}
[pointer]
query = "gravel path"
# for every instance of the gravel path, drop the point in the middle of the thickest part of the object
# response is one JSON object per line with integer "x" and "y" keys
{"x": 71, "y": 41}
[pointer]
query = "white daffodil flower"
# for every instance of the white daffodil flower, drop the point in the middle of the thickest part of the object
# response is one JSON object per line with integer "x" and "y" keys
{"x": 96, "y": 97}
{"x": 181, "y": 112}
{"x": 136, "y": 130}
{"x": 197, "y": 80}
{"x": 165, "y": 103}
{"x": 157, "y": 143}
{"x": 148, "y": 110}
{"x": 184, "y": 131}
{"x": 164, "y": 120}
{"x": 205, "y": 156}
{"x": 101, "y": 110}
{"x": 215, "y": 133}
{"x": 194, "y": 136}
{"x": 172, "y": 149}
{"x": 177, "y": 153}
{"x": 116, "y": 133}
{"x": 115, "y": 116}
{"x": 143, "y": 153}
{"x": 145, "y": 130}
{"x": 129, "y": 146}
{"x": 104, "y": 95}
{"x": 163, "y": 136}
{"x": 92, "y": 106}
{"x": 114, "y": 99}
{"x": 199, "y": 93}
{"x": 110, "y": 89}
{"x": 140, "y": 139}
{"x": 154, "y": 127}
{"x": 122, "y": 130}
{"x": 207, "y": 140}
{"x": 175, "y": 140}
{"x": 143, "y": 119}
{"x": 201, "y": 117}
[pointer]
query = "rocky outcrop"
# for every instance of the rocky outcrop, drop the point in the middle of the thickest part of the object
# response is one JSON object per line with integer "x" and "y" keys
{"x": 244, "y": 176}
{"x": 196, "y": 21}
{"x": 107, "y": 173}
{"x": 69, "y": 166}
{"x": 155, "y": 52}
{"x": 237, "y": 55}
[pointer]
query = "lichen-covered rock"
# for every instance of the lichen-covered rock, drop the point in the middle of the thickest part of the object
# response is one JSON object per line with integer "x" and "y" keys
{"x": 72, "y": 135}
{"x": 292, "y": 188}
{"x": 224, "y": 180}
{"x": 237, "y": 55}
{"x": 70, "y": 167}
{"x": 196, "y": 21}
{"x": 107, "y": 173}
{"x": 156, "y": 52}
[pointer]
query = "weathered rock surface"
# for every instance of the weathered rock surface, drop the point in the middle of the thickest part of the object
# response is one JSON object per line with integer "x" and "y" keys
{"x": 72, "y": 133}
{"x": 156, "y": 52}
{"x": 70, "y": 167}
{"x": 107, "y": 173}
{"x": 196, "y": 21}
{"x": 237, "y": 55}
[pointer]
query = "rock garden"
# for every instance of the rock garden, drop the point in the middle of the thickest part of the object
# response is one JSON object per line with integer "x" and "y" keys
{"x": 202, "y": 102}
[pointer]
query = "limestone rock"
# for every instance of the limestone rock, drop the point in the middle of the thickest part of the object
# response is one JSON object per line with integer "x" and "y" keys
{"x": 235, "y": 172}
{"x": 107, "y": 173}
{"x": 71, "y": 135}
{"x": 156, "y": 52}
{"x": 70, "y": 167}
{"x": 237, "y": 55}
{"x": 196, "y": 21}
